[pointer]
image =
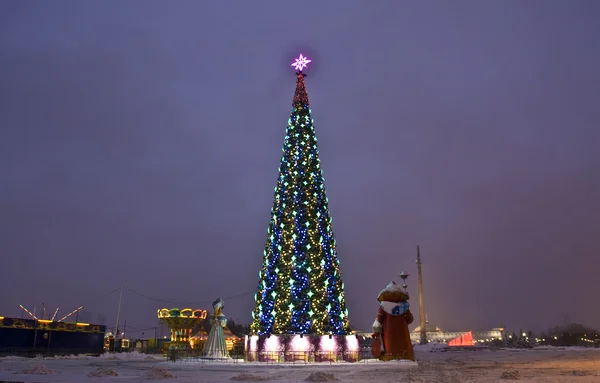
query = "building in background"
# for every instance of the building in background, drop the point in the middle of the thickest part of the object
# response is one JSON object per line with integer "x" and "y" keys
{"x": 43, "y": 336}
{"x": 437, "y": 335}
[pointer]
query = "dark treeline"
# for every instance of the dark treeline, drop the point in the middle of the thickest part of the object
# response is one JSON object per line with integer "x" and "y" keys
{"x": 569, "y": 335}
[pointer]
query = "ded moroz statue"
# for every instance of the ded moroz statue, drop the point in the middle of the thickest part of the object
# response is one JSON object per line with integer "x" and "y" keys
{"x": 391, "y": 334}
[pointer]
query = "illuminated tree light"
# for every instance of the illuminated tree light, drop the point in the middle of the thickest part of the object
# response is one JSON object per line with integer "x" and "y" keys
{"x": 300, "y": 288}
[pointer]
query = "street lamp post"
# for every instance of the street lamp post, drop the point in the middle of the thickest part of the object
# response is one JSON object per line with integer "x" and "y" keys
{"x": 403, "y": 274}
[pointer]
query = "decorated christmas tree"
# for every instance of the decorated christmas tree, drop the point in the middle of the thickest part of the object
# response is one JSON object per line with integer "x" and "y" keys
{"x": 300, "y": 289}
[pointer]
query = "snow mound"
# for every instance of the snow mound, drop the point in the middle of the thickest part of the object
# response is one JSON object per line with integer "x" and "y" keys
{"x": 69, "y": 357}
{"x": 510, "y": 375}
{"x": 431, "y": 347}
{"x": 321, "y": 377}
{"x": 102, "y": 372}
{"x": 134, "y": 356}
{"x": 403, "y": 362}
{"x": 246, "y": 377}
{"x": 577, "y": 373}
{"x": 38, "y": 370}
{"x": 159, "y": 373}
{"x": 12, "y": 357}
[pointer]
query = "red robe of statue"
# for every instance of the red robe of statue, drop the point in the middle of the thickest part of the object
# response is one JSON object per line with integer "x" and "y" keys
{"x": 392, "y": 323}
{"x": 395, "y": 334}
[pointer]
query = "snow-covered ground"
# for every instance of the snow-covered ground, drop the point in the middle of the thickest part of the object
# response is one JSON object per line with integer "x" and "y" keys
{"x": 539, "y": 365}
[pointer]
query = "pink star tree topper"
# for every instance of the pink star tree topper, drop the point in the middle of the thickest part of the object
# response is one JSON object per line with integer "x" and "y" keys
{"x": 301, "y": 63}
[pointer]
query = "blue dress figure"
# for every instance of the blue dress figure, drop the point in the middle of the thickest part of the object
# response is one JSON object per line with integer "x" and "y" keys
{"x": 215, "y": 346}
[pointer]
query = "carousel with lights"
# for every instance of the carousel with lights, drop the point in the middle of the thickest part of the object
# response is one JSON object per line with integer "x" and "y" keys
{"x": 182, "y": 323}
{"x": 300, "y": 311}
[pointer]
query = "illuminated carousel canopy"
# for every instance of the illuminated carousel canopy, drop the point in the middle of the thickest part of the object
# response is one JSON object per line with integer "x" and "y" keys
{"x": 181, "y": 323}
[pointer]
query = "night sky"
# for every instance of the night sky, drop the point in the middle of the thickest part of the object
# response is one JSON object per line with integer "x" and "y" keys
{"x": 140, "y": 143}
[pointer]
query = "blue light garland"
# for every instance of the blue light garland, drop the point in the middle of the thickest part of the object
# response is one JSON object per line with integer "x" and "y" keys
{"x": 300, "y": 289}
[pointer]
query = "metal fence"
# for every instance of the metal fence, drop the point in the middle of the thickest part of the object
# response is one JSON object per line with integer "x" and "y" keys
{"x": 275, "y": 357}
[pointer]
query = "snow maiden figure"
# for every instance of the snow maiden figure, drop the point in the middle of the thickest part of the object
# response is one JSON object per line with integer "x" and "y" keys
{"x": 215, "y": 346}
{"x": 391, "y": 326}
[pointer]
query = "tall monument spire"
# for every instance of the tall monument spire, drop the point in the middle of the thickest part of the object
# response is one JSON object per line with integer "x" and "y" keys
{"x": 422, "y": 317}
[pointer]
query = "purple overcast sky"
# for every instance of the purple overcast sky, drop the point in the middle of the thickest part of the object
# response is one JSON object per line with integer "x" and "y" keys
{"x": 140, "y": 142}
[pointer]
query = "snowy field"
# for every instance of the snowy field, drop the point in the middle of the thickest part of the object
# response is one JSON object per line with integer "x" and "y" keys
{"x": 541, "y": 365}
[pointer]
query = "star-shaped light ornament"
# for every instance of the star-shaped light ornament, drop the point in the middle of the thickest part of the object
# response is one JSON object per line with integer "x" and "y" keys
{"x": 301, "y": 63}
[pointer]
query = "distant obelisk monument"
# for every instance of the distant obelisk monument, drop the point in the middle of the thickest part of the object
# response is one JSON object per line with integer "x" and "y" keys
{"x": 423, "y": 319}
